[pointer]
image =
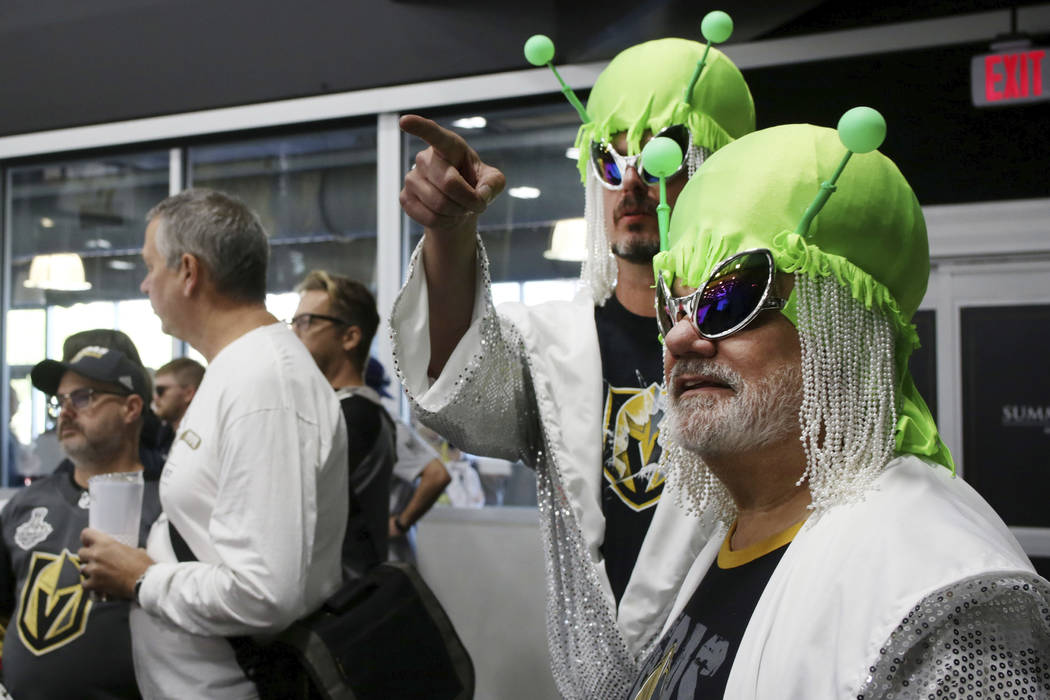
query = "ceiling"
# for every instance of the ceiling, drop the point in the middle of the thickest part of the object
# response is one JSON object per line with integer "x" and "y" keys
{"x": 68, "y": 63}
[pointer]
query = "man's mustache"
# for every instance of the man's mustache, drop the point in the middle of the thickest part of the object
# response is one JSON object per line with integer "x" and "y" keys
{"x": 706, "y": 368}
{"x": 631, "y": 204}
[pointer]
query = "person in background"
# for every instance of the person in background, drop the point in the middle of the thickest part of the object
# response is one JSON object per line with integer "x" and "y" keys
{"x": 255, "y": 487}
{"x": 419, "y": 477}
{"x": 59, "y": 643}
{"x": 174, "y": 385}
{"x": 47, "y": 454}
{"x": 21, "y": 464}
{"x": 336, "y": 320}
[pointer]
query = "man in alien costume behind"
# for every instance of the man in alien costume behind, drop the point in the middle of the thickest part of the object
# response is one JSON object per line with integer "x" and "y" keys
{"x": 571, "y": 388}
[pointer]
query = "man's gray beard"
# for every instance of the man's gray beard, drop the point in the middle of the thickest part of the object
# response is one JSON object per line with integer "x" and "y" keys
{"x": 758, "y": 414}
{"x": 102, "y": 450}
{"x": 637, "y": 251}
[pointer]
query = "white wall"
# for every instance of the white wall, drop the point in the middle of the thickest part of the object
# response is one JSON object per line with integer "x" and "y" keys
{"x": 486, "y": 568}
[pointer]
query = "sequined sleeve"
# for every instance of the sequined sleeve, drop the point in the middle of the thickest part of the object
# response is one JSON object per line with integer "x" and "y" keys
{"x": 482, "y": 402}
{"x": 983, "y": 637}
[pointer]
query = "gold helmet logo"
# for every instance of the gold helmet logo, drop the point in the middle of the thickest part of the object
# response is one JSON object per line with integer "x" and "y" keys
{"x": 632, "y": 418}
{"x": 55, "y": 607}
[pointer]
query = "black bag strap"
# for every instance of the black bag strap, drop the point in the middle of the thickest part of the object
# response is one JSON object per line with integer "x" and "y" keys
{"x": 244, "y": 648}
{"x": 182, "y": 550}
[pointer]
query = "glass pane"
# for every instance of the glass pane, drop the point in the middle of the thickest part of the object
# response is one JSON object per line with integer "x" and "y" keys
{"x": 315, "y": 194}
{"x": 76, "y": 232}
{"x": 136, "y": 318}
{"x": 531, "y": 146}
{"x": 25, "y": 336}
{"x": 1006, "y": 416}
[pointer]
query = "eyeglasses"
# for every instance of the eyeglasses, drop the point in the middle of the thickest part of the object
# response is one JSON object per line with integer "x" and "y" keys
{"x": 739, "y": 289}
{"x": 79, "y": 399}
{"x": 301, "y": 322}
{"x": 610, "y": 165}
{"x": 159, "y": 389}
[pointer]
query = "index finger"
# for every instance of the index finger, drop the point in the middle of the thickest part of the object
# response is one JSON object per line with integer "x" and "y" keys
{"x": 448, "y": 144}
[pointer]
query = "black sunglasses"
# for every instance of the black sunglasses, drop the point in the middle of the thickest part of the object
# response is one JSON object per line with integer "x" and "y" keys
{"x": 302, "y": 321}
{"x": 610, "y": 166}
{"x": 736, "y": 292}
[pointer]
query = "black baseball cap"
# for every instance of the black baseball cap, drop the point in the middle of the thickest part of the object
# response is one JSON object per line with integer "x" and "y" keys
{"x": 94, "y": 362}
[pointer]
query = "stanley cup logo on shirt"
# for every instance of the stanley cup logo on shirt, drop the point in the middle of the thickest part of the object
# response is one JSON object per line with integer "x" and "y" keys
{"x": 55, "y": 608}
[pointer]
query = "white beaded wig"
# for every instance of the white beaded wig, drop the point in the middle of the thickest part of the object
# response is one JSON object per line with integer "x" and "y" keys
{"x": 860, "y": 270}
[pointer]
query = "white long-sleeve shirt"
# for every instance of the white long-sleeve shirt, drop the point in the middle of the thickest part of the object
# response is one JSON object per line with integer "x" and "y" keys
{"x": 256, "y": 485}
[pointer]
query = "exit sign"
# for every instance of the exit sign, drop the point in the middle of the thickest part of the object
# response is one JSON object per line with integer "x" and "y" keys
{"x": 1010, "y": 77}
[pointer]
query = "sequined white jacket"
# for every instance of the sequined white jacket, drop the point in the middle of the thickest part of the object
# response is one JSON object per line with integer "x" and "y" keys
{"x": 906, "y": 595}
{"x": 525, "y": 383}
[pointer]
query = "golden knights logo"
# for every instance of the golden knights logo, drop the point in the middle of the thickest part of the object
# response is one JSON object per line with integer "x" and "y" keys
{"x": 652, "y": 681}
{"x": 632, "y": 420}
{"x": 55, "y": 607}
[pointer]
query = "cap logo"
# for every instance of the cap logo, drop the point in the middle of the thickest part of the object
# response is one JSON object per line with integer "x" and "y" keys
{"x": 94, "y": 351}
{"x": 126, "y": 381}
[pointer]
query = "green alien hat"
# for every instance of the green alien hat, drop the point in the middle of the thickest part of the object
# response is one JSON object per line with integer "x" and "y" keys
{"x": 870, "y": 235}
{"x": 643, "y": 89}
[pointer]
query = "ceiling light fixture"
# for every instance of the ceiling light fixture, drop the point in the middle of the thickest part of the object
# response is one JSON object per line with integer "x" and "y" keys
{"x": 57, "y": 271}
{"x": 524, "y": 192}
{"x": 470, "y": 123}
{"x": 569, "y": 241}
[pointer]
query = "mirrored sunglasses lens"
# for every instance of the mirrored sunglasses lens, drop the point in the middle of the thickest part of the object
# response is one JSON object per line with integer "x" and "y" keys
{"x": 605, "y": 164}
{"x": 664, "y": 313}
{"x": 732, "y": 294}
{"x": 679, "y": 134}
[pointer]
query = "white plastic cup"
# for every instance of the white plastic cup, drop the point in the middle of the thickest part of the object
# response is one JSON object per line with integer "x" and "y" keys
{"x": 116, "y": 505}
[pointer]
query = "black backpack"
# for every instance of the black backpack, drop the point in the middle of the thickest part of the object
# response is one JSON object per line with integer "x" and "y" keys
{"x": 382, "y": 636}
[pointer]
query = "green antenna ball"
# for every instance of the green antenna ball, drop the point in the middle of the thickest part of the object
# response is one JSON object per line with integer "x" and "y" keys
{"x": 539, "y": 50}
{"x": 862, "y": 129}
{"x": 661, "y": 156}
{"x": 717, "y": 26}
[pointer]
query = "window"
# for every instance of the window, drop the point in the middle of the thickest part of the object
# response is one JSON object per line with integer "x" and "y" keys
{"x": 75, "y": 231}
{"x": 532, "y": 147}
{"x": 315, "y": 194}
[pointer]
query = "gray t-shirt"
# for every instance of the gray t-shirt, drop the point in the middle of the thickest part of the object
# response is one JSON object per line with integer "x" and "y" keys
{"x": 58, "y": 643}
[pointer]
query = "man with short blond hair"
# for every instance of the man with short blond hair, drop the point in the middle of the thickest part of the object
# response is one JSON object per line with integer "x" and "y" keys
{"x": 337, "y": 320}
{"x": 173, "y": 388}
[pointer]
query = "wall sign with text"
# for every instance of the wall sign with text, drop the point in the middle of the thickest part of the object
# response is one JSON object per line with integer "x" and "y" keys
{"x": 1010, "y": 77}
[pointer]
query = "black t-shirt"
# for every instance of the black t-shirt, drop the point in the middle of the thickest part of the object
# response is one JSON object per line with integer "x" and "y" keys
{"x": 58, "y": 642}
{"x": 693, "y": 660}
{"x": 632, "y": 375}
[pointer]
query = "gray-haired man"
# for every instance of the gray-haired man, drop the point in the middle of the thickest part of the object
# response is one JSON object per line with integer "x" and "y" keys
{"x": 255, "y": 484}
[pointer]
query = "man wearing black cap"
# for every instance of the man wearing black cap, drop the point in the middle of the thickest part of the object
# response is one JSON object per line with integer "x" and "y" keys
{"x": 60, "y": 643}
